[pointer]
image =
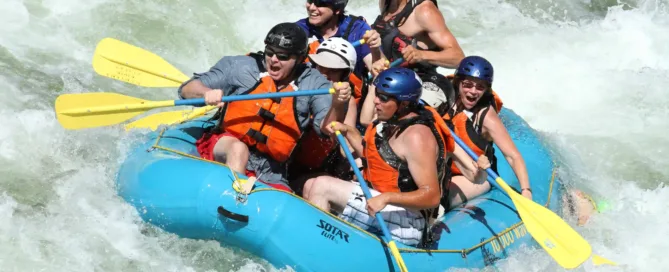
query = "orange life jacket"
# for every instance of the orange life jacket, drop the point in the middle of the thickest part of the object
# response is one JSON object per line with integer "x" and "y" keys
{"x": 268, "y": 125}
{"x": 471, "y": 136}
{"x": 385, "y": 171}
{"x": 470, "y": 133}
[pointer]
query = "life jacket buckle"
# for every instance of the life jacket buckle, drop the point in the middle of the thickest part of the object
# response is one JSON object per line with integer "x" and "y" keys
{"x": 256, "y": 135}
{"x": 265, "y": 114}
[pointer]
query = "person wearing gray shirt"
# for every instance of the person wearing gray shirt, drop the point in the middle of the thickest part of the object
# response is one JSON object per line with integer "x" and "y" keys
{"x": 284, "y": 54}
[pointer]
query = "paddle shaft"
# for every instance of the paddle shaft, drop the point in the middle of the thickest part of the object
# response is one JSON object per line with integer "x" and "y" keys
{"x": 148, "y": 105}
{"x": 363, "y": 184}
{"x": 200, "y": 101}
{"x": 384, "y": 228}
{"x": 492, "y": 176}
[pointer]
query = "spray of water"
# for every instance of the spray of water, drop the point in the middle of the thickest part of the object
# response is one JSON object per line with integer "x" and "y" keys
{"x": 588, "y": 75}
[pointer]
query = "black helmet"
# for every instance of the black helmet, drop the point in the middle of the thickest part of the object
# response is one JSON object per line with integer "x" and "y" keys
{"x": 339, "y": 4}
{"x": 288, "y": 36}
{"x": 336, "y": 5}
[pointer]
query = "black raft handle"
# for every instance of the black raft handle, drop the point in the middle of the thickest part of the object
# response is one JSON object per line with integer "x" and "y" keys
{"x": 234, "y": 216}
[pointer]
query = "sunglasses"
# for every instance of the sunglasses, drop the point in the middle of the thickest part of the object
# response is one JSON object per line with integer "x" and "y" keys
{"x": 320, "y": 3}
{"x": 384, "y": 97}
{"x": 467, "y": 84}
{"x": 280, "y": 56}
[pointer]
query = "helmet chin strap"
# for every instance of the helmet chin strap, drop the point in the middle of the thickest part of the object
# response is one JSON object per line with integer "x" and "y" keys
{"x": 399, "y": 113}
{"x": 300, "y": 59}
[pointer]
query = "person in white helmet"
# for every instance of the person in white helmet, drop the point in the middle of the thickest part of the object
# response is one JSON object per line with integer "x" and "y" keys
{"x": 336, "y": 59}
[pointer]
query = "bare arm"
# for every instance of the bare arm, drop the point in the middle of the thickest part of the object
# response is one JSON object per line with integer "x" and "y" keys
{"x": 367, "y": 113}
{"x": 194, "y": 89}
{"x": 353, "y": 138}
{"x": 467, "y": 166}
{"x": 495, "y": 129}
{"x": 351, "y": 113}
{"x": 375, "y": 56}
{"x": 336, "y": 113}
{"x": 351, "y": 116}
{"x": 419, "y": 148}
{"x": 368, "y": 60}
{"x": 432, "y": 21}
{"x": 338, "y": 109}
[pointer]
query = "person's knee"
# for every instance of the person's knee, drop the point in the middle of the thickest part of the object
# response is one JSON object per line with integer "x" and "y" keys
{"x": 318, "y": 185}
{"x": 239, "y": 149}
{"x": 306, "y": 190}
{"x": 220, "y": 151}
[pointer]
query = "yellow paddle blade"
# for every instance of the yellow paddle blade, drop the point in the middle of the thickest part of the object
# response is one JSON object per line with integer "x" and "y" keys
{"x": 398, "y": 257}
{"x": 87, "y": 110}
{"x": 599, "y": 260}
{"x": 128, "y": 63}
{"x": 559, "y": 239}
{"x": 169, "y": 118}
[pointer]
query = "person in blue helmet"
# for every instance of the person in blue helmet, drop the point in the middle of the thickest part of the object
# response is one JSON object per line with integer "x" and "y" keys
{"x": 474, "y": 114}
{"x": 326, "y": 19}
{"x": 406, "y": 153}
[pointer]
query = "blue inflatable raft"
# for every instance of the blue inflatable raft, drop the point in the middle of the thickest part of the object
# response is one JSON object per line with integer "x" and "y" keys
{"x": 172, "y": 188}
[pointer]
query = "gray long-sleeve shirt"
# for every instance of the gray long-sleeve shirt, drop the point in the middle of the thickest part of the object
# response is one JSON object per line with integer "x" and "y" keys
{"x": 238, "y": 74}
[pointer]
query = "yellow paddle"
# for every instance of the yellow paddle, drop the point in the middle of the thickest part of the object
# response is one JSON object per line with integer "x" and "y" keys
{"x": 153, "y": 121}
{"x": 119, "y": 60}
{"x": 132, "y": 64}
{"x": 561, "y": 241}
{"x": 87, "y": 110}
{"x": 128, "y": 63}
{"x": 379, "y": 219}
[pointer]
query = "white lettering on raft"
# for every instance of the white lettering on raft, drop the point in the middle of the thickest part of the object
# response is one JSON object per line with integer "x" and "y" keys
{"x": 508, "y": 238}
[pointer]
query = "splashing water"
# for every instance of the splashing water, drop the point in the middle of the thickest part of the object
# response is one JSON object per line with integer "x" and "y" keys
{"x": 589, "y": 75}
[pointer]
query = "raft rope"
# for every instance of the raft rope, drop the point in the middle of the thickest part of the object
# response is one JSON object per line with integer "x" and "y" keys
{"x": 550, "y": 187}
{"x": 463, "y": 252}
{"x": 237, "y": 183}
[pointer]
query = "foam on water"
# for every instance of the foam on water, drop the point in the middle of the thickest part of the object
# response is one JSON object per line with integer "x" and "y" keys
{"x": 589, "y": 75}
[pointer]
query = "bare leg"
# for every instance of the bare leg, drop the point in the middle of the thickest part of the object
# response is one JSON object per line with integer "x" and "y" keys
{"x": 299, "y": 184}
{"x": 328, "y": 193}
{"x": 461, "y": 189}
{"x": 580, "y": 205}
{"x": 233, "y": 152}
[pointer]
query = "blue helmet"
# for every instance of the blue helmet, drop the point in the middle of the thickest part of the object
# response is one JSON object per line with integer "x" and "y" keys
{"x": 401, "y": 83}
{"x": 476, "y": 67}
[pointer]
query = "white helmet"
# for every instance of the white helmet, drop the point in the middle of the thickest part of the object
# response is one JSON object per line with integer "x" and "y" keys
{"x": 335, "y": 53}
